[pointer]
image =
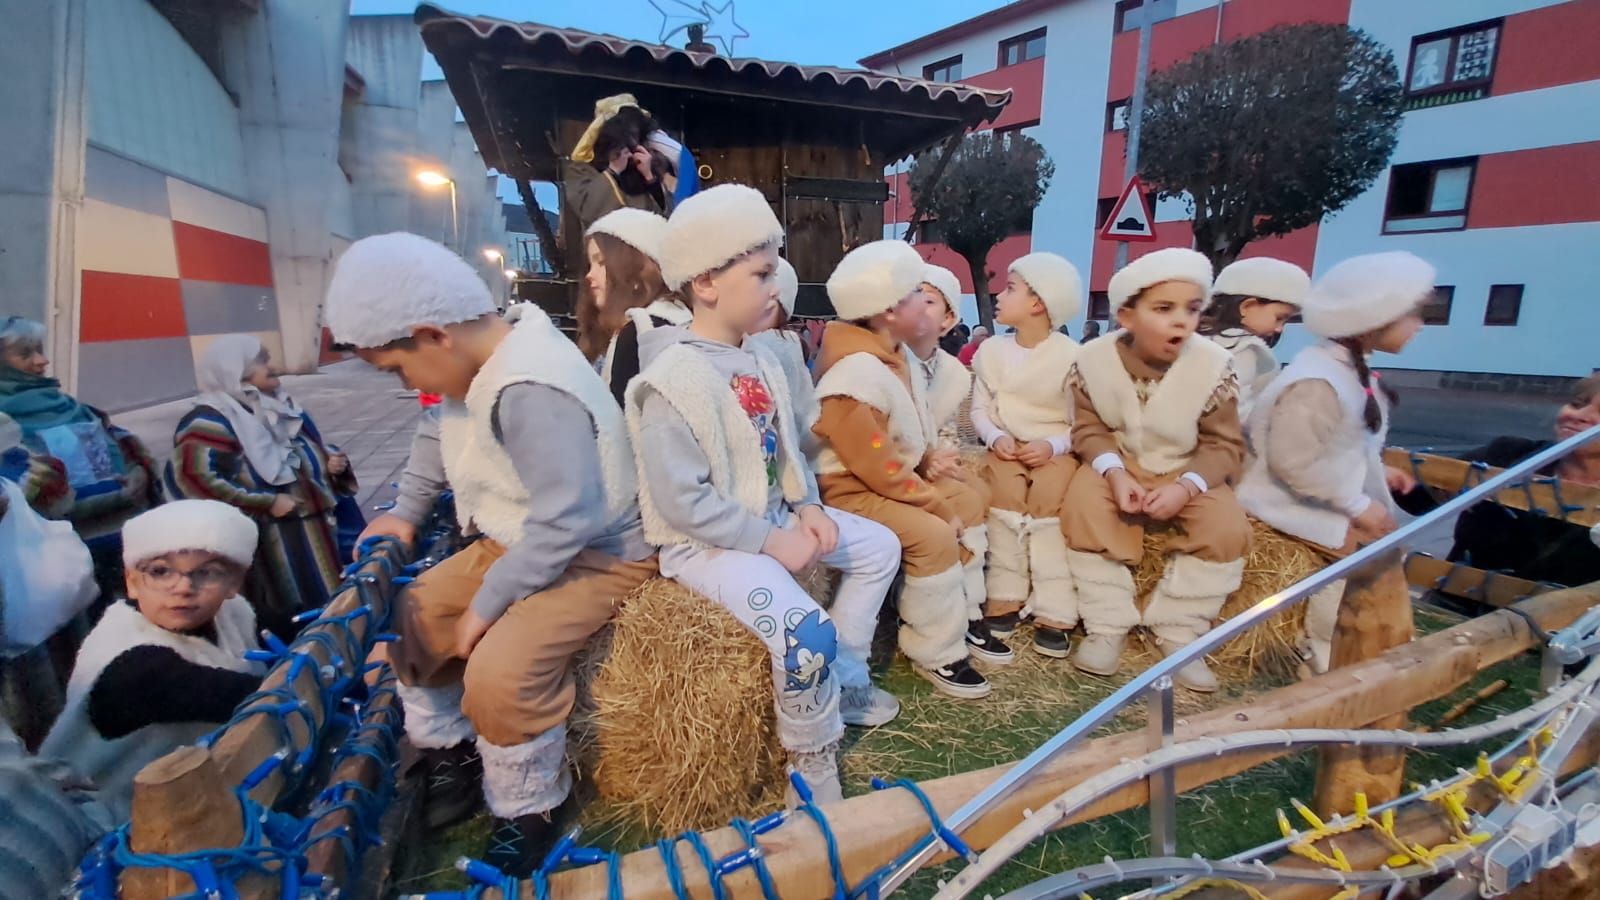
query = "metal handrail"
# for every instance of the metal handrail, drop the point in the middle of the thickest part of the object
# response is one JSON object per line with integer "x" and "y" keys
{"x": 1134, "y": 690}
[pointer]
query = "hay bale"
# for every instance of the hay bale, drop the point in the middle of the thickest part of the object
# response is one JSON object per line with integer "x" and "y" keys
{"x": 1275, "y": 562}
{"x": 675, "y": 724}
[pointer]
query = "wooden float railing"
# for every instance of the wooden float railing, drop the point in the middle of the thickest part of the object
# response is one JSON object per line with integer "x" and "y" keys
{"x": 877, "y": 827}
{"x": 1569, "y": 500}
{"x": 185, "y": 801}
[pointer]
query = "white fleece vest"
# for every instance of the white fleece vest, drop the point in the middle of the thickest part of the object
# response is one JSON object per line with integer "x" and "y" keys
{"x": 1159, "y": 433}
{"x": 1031, "y": 401}
{"x": 682, "y": 376}
{"x": 1353, "y": 459}
{"x": 1254, "y": 363}
{"x": 488, "y": 492}
{"x": 939, "y": 401}
{"x": 666, "y": 308}
{"x": 113, "y": 763}
{"x": 864, "y": 377}
{"x": 802, "y": 391}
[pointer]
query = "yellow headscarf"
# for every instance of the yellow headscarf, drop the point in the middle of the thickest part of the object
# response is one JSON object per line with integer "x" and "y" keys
{"x": 604, "y": 110}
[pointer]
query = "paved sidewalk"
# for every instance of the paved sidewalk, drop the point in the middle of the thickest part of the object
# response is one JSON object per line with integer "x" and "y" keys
{"x": 363, "y": 411}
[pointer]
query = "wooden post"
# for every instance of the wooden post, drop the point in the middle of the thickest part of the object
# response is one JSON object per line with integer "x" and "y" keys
{"x": 188, "y": 807}
{"x": 327, "y": 858}
{"x": 1374, "y": 616}
{"x": 871, "y": 830}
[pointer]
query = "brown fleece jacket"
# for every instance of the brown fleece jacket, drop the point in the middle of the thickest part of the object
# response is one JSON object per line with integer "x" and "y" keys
{"x": 1219, "y": 451}
{"x": 860, "y": 434}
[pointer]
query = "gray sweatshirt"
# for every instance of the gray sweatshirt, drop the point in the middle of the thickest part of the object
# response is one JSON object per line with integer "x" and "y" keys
{"x": 679, "y": 473}
{"x": 551, "y": 441}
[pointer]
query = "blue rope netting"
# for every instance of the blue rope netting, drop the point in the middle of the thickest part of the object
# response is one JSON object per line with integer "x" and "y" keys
{"x": 275, "y": 844}
{"x": 567, "y": 854}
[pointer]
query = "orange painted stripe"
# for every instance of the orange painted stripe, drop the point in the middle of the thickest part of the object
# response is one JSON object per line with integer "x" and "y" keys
{"x": 206, "y": 255}
{"x": 119, "y": 307}
{"x": 1026, "y": 83}
{"x": 1543, "y": 186}
{"x": 1543, "y": 48}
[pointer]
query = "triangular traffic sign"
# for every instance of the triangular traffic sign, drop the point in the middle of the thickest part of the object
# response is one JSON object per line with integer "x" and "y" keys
{"x": 1131, "y": 219}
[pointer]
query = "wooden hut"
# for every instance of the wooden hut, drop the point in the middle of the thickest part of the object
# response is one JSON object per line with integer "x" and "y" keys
{"x": 815, "y": 140}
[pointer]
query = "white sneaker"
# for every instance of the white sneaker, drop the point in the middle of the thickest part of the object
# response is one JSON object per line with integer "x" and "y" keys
{"x": 867, "y": 706}
{"x": 820, "y": 769}
{"x": 1100, "y": 654}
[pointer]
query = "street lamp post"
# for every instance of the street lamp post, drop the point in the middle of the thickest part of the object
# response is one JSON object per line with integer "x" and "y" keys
{"x": 432, "y": 178}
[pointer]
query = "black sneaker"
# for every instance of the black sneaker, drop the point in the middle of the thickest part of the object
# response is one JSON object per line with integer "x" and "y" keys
{"x": 1003, "y": 626}
{"x": 518, "y": 846}
{"x": 454, "y": 784}
{"x": 985, "y": 645}
{"x": 1051, "y": 642}
{"x": 959, "y": 679}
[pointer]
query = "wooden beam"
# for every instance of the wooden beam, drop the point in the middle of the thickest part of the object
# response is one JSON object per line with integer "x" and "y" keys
{"x": 873, "y": 829}
{"x": 327, "y": 858}
{"x": 243, "y": 747}
{"x": 1374, "y": 616}
{"x": 1461, "y": 580}
{"x": 183, "y": 795}
{"x": 1451, "y": 476}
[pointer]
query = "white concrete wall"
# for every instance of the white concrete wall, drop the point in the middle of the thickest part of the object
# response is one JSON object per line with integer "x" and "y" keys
{"x": 152, "y": 99}
{"x": 1557, "y": 264}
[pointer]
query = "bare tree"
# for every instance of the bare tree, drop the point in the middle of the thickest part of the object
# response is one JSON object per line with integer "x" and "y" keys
{"x": 987, "y": 192}
{"x": 1270, "y": 133}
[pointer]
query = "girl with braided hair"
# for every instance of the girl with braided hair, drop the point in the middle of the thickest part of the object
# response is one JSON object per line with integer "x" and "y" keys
{"x": 1316, "y": 436}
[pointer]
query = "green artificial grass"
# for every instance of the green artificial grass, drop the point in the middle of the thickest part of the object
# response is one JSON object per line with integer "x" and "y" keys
{"x": 1033, "y": 699}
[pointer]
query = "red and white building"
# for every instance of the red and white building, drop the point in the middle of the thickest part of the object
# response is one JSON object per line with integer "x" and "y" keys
{"x": 1496, "y": 179}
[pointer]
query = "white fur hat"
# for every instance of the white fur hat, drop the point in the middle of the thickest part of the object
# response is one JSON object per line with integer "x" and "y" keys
{"x": 713, "y": 228}
{"x": 208, "y": 525}
{"x": 387, "y": 284}
{"x": 788, "y": 286}
{"x": 947, "y": 283}
{"x": 1171, "y": 264}
{"x": 638, "y": 228}
{"x": 1265, "y": 279}
{"x": 1365, "y": 293}
{"x": 874, "y": 277}
{"x": 1057, "y": 283}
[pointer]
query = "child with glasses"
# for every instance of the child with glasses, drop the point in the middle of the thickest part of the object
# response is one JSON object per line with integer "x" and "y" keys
{"x": 166, "y": 665}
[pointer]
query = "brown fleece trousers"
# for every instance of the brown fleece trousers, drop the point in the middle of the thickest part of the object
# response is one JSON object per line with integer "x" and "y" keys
{"x": 928, "y": 543}
{"x": 1038, "y": 493}
{"x": 518, "y": 681}
{"x": 1211, "y": 527}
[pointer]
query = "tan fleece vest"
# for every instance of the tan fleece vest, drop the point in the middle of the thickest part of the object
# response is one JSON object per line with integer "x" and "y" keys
{"x": 1160, "y": 433}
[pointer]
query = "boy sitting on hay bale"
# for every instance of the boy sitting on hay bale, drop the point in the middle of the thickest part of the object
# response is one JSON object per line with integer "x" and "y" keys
{"x": 941, "y": 385}
{"x": 1156, "y": 421}
{"x": 536, "y": 450}
{"x": 1023, "y": 410}
{"x": 876, "y": 460}
{"x": 727, "y": 495}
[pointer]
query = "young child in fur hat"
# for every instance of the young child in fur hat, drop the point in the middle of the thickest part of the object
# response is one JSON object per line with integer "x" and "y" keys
{"x": 1156, "y": 421}
{"x": 166, "y": 665}
{"x": 625, "y": 294}
{"x": 876, "y": 459}
{"x": 1250, "y": 303}
{"x": 1316, "y": 468}
{"x": 727, "y": 495}
{"x": 785, "y": 346}
{"x": 1022, "y": 409}
{"x": 941, "y": 384}
{"x": 536, "y": 450}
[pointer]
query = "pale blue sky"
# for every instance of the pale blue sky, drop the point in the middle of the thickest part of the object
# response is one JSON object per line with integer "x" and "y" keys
{"x": 812, "y": 32}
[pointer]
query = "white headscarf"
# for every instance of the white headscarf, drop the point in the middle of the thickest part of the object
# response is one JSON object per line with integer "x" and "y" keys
{"x": 265, "y": 426}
